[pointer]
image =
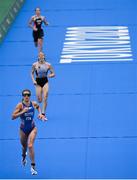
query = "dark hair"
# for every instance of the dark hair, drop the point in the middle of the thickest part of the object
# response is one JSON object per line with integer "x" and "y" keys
{"x": 26, "y": 90}
{"x": 37, "y": 8}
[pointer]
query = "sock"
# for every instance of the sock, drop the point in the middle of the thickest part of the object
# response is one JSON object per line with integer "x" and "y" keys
{"x": 33, "y": 165}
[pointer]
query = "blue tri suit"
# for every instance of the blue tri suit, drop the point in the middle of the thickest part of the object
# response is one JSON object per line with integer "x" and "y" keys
{"x": 27, "y": 121}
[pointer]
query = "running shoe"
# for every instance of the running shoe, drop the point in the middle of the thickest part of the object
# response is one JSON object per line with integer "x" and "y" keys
{"x": 24, "y": 161}
{"x": 33, "y": 171}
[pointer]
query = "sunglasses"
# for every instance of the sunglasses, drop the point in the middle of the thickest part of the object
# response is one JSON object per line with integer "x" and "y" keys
{"x": 26, "y": 95}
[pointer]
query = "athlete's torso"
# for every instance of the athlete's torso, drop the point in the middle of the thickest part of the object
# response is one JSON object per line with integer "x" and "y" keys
{"x": 27, "y": 117}
{"x": 41, "y": 70}
{"x": 38, "y": 20}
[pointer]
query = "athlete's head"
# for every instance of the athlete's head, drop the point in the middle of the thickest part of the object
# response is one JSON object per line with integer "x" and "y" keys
{"x": 41, "y": 57}
{"x": 26, "y": 93}
{"x": 37, "y": 11}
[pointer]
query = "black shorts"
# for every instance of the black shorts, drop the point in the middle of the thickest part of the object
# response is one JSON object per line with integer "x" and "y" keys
{"x": 41, "y": 81}
{"x": 39, "y": 34}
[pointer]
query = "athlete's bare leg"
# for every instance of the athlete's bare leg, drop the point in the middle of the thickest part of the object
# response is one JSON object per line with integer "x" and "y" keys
{"x": 31, "y": 140}
{"x": 23, "y": 140}
{"x": 39, "y": 93}
{"x": 40, "y": 45}
{"x": 45, "y": 97}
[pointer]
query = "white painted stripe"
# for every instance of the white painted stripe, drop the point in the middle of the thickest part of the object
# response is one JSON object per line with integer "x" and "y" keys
{"x": 93, "y": 60}
{"x": 96, "y": 56}
{"x": 98, "y": 28}
{"x": 96, "y": 42}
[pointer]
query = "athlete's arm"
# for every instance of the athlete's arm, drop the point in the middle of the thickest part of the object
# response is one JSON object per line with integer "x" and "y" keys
{"x": 32, "y": 74}
{"x": 45, "y": 21}
{"x": 18, "y": 111}
{"x": 52, "y": 73}
{"x": 30, "y": 23}
{"x": 36, "y": 106}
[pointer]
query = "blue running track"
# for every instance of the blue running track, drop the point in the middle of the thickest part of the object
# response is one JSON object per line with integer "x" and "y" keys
{"x": 92, "y": 106}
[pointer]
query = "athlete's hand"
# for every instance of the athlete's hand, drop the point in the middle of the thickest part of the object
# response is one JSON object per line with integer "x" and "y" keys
{"x": 35, "y": 29}
{"x": 34, "y": 82}
{"x": 41, "y": 117}
{"x": 25, "y": 109}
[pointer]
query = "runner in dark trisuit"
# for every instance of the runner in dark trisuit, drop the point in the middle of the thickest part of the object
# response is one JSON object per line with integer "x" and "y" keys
{"x": 36, "y": 24}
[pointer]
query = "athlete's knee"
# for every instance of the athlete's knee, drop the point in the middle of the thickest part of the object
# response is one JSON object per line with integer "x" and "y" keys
{"x": 24, "y": 146}
{"x": 30, "y": 145}
{"x": 40, "y": 41}
{"x": 39, "y": 99}
{"x": 23, "y": 143}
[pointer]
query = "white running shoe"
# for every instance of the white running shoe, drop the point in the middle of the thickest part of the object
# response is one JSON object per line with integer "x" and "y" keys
{"x": 33, "y": 171}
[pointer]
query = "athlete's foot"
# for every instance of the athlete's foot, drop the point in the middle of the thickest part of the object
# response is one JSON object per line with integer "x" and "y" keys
{"x": 24, "y": 161}
{"x": 33, "y": 170}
